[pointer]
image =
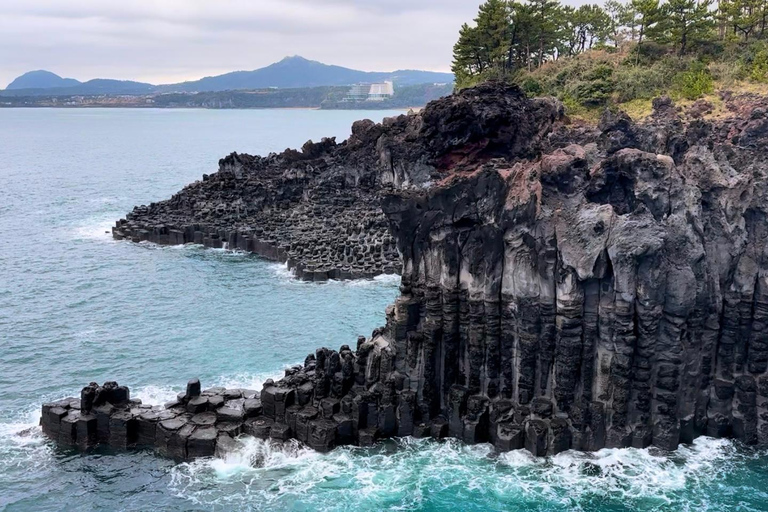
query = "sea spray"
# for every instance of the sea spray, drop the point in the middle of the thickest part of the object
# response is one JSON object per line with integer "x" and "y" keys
{"x": 413, "y": 474}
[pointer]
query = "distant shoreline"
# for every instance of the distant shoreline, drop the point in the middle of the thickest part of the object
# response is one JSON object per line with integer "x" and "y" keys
{"x": 155, "y": 107}
{"x": 324, "y": 98}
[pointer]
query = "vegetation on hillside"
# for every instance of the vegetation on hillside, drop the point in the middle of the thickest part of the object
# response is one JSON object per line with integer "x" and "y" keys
{"x": 619, "y": 54}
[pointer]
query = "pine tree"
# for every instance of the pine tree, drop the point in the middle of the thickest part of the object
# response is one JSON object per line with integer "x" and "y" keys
{"x": 467, "y": 56}
{"x": 746, "y": 18}
{"x": 522, "y": 34}
{"x": 545, "y": 14}
{"x": 648, "y": 15}
{"x": 482, "y": 48}
{"x": 616, "y": 13}
{"x": 686, "y": 22}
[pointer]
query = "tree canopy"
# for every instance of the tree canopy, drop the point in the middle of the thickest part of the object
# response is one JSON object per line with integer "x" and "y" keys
{"x": 509, "y": 35}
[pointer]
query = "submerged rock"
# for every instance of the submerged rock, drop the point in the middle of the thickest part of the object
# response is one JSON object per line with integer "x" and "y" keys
{"x": 562, "y": 288}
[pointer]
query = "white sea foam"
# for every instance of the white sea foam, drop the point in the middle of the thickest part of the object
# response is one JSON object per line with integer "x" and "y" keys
{"x": 281, "y": 271}
{"x": 354, "y": 478}
{"x": 22, "y": 444}
{"x": 388, "y": 279}
{"x": 160, "y": 394}
{"x": 624, "y": 474}
{"x": 155, "y": 395}
{"x": 245, "y": 380}
{"x": 96, "y": 228}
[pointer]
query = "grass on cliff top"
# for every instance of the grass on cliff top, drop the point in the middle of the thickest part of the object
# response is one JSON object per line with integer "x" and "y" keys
{"x": 630, "y": 79}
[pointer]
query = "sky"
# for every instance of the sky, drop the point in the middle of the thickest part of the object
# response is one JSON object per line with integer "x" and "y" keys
{"x": 168, "y": 41}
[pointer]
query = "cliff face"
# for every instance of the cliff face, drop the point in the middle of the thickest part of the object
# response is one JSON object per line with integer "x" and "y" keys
{"x": 318, "y": 209}
{"x": 562, "y": 286}
{"x": 612, "y": 293}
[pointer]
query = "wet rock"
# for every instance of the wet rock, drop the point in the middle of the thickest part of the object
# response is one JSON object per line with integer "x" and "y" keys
{"x": 258, "y": 427}
{"x": 252, "y": 407}
{"x": 202, "y": 442}
{"x": 193, "y": 389}
{"x": 197, "y": 404}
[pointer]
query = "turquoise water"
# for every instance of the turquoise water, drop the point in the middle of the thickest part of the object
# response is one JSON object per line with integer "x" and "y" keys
{"x": 76, "y": 306}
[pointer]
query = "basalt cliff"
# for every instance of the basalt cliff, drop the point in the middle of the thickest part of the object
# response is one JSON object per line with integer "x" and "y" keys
{"x": 563, "y": 287}
{"x": 319, "y": 209}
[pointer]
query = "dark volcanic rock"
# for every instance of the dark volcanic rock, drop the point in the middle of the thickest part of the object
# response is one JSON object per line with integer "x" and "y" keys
{"x": 616, "y": 296}
{"x": 318, "y": 209}
{"x": 562, "y": 288}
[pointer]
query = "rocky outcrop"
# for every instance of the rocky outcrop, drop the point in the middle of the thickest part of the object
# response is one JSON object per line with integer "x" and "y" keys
{"x": 608, "y": 293}
{"x": 318, "y": 209}
{"x": 562, "y": 288}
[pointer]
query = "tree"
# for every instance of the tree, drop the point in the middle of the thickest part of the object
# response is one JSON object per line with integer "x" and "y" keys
{"x": 467, "y": 56}
{"x": 687, "y": 22}
{"x": 616, "y": 13}
{"x": 746, "y": 18}
{"x": 599, "y": 24}
{"x": 521, "y": 35}
{"x": 648, "y": 15}
{"x": 583, "y": 27}
{"x": 546, "y": 27}
{"x": 484, "y": 47}
{"x": 629, "y": 18}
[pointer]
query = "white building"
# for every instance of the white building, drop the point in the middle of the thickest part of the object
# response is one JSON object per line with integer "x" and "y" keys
{"x": 371, "y": 92}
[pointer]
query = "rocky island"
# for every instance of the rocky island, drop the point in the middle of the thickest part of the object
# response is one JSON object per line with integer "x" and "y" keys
{"x": 564, "y": 286}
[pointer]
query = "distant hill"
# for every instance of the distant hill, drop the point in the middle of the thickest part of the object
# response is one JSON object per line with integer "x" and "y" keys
{"x": 291, "y": 72}
{"x": 294, "y": 72}
{"x": 41, "y": 79}
{"x": 97, "y": 86}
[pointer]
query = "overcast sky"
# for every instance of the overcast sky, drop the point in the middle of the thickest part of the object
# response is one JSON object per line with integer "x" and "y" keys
{"x": 164, "y": 41}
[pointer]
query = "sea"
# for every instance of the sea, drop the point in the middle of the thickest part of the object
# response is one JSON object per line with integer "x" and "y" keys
{"x": 77, "y": 306}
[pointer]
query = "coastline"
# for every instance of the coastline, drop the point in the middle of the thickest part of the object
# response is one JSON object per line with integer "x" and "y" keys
{"x": 515, "y": 320}
{"x": 150, "y": 107}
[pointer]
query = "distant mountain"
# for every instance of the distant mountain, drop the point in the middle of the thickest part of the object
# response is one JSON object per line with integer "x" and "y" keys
{"x": 41, "y": 79}
{"x": 294, "y": 72}
{"x": 97, "y": 86}
{"x": 107, "y": 86}
{"x": 291, "y": 72}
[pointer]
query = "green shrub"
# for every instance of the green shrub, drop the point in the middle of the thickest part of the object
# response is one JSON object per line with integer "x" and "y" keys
{"x": 695, "y": 82}
{"x": 758, "y": 70}
{"x": 646, "y": 54}
{"x": 751, "y": 60}
{"x": 634, "y": 83}
{"x": 531, "y": 86}
{"x": 595, "y": 88}
{"x": 599, "y": 72}
{"x": 728, "y": 72}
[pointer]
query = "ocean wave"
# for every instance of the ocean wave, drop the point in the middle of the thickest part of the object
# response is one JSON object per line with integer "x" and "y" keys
{"x": 155, "y": 395}
{"x": 407, "y": 473}
{"x": 622, "y": 474}
{"x": 246, "y": 380}
{"x": 161, "y": 394}
{"x": 390, "y": 280}
{"x": 97, "y": 228}
{"x": 23, "y": 445}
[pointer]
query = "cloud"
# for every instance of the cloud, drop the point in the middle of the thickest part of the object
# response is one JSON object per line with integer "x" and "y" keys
{"x": 164, "y": 41}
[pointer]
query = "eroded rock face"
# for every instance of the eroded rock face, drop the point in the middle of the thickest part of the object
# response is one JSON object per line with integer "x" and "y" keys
{"x": 318, "y": 209}
{"x": 562, "y": 288}
{"x": 612, "y": 293}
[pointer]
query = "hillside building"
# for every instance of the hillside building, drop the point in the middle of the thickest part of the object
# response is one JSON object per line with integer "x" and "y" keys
{"x": 371, "y": 92}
